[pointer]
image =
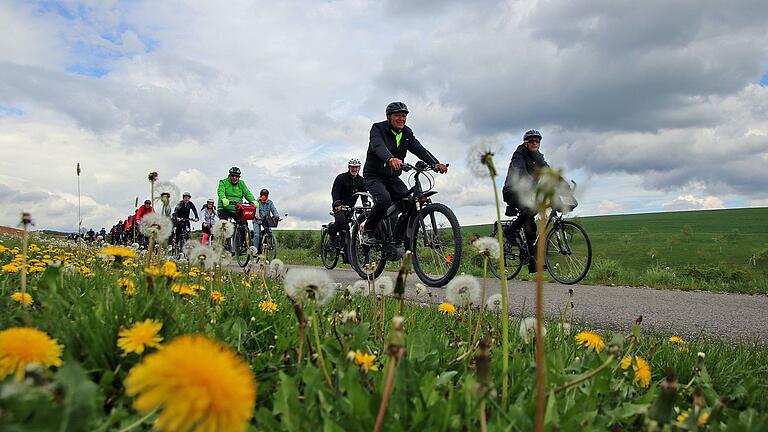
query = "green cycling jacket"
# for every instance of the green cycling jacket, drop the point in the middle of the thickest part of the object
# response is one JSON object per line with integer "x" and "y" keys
{"x": 230, "y": 194}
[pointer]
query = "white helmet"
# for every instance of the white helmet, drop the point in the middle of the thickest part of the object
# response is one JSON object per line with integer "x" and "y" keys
{"x": 354, "y": 162}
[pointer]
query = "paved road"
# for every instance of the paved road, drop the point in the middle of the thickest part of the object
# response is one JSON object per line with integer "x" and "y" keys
{"x": 730, "y": 317}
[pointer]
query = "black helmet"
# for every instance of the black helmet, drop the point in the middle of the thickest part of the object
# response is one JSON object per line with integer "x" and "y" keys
{"x": 396, "y": 107}
{"x": 264, "y": 192}
{"x": 147, "y": 202}
{"x": 234, "y": 171}
{"x": 533, "y": 133}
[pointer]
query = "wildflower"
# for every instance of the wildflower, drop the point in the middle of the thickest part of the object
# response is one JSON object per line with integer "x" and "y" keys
{"x": 360, "y": 287}
{"x": 156, "y": 225}
{"x": 153, "y": 271}
{"x": 528, "y": 329}
{"x": 23, "y": 346}
{"x": 365, "y": 361}
{"x": 183, "y": 289}
{"x": 348, "y": 316}
{"x": 640, "y": 368}
{"x": 117, "y": 252}
{"x": 203, "y": 256}
{"x": 199, "y": 384}
{"x": 169, "y": 269}
{"x": 419, "y": 288}
{"x": 305, "y": 284}
{"x": 140, "y": 336}
{"x": 36, "y": 269}
{"x": 223, "y": 229}
{"x": 268, "y": 306}
{"x": 11, "y": 268}
{"x": 494, "y": 303}
{"x": 128, "y": 285}
{"x": 463, "y": 290}
{"x": 446, "y": 309}
{"x": 276, "y": 268}
{"x": 480, "y": 158}
{"x": 590, "y": 339}
{"x": 169, "y": 188}
{"x": 703, "y": 419}
{"x": 677, "y": 340}
{"x": 24, "y": 298}
{"x": 384, "y": 285}
{"x": 565, "y": 328}
{"x": 487, "y": 246}
{"x": 217, "y": 297}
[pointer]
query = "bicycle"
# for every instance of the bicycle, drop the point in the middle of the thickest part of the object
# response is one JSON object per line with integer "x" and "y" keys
{"x": 430, "y": 230}
{"x": 240, "y": 243}
{"x": 568, "y": 253}
{"x": 268, "y": 239}
{"x": 179, "y": 236}
{"x": 329, "y": 253}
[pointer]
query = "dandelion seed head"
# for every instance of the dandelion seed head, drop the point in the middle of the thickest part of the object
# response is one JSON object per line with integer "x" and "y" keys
{"x": 360, "y": 287}
{"x": 223, "y": 228}
{"x": 494, "y": 303}
{"x": 156, "y": 225}
{"x": 480, "y": 158}
{"x": 528, "y": 329}
{"x": 384, "y": 285}
{"x": 463, "y": 290}
{"x": 276, "y": 268}
{"x": 488, "y": 246}
{"x": 302, "y": 284}
{"x": 204, "y": 257}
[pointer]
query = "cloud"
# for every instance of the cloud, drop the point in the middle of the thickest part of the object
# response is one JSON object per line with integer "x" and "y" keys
{"x": 690, "y": 202}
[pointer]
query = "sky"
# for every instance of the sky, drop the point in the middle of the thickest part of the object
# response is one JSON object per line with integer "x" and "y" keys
{"x": 648, "y": 106}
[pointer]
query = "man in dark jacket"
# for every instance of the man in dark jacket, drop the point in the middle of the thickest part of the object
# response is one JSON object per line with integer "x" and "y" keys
{"x": 390, "y": 141}
{"x": 345, "y": 186}
{"x": 522, "y": 174}
{"x": 180, "y": 216}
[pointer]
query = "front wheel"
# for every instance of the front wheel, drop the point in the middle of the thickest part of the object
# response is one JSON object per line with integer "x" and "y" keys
{"x": 328, "y": 254}
{"x": 569, "y": 252}
{"x": 513, "y": 259}
{"x": 366, "y": 260}
{"x": 240, "y": 244}
{"x": 436, "y": 245}
{"x": 270, "y": 243}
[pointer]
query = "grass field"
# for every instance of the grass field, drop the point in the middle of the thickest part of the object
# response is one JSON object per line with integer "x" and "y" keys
{"x": 715, "y": 250}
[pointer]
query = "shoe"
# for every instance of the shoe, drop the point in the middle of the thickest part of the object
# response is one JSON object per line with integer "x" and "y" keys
{"x": 367, "y": 238}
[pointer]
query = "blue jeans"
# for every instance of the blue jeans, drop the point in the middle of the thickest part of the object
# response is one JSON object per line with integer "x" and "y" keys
{"x": 257, "y": 233}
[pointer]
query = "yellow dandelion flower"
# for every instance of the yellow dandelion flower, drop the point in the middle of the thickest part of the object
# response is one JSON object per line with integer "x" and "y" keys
{"x": 245, "y": 283}
{"x": 183, "y": 289}
{"x": 128, "y": 285}
{"x": 196, "y": 287}
{"x": 140, "y": 336}
{"x": 169, "y": 269}
{"x": 217, "y": 297}
{"x": 118, "y": 252}
{"x": 682, "y": 417}
{"x": 365, "y": 361}
{"x": 25, "y": 298}
{"x": 36, "y": 269}
{"x": 11, "y": 268}
{"x": 268, "y": 306}
{"x": 152, "y": 271}
{"x": 199, "y": 384}
{"x": 703, "y": 419}
{"x": 23, "y": 346}
{"x": 640, "y": 368}
{"x": 3, "y": 248}
{"x": 590, "y": 339}
{"x": 447, "y": 309}
{"x": 677, "y": 340}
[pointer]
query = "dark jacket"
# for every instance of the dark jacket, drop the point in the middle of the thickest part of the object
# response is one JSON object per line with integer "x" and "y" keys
{"x": 345, "y": 186}
{"x": 524, "y": 166}
{"x": 182, "y": 210}
{"x": 383, "y": 147}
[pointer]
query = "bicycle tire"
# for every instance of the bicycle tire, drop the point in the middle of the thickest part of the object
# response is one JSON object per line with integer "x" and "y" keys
{"x": 270, "y": 242}
{"x": 444, "y": 258}
{"x": 240, "y": 246}
{"x": 328, "y": 255}
{"x": 513, "y": 258}
{"x": 360, "y": 255}
{"x": 568, "y": 252}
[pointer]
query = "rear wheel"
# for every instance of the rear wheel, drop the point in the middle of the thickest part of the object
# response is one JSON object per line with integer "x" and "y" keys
{"x": 241, "y": 240}
{"x": 513, "y": 260}
{"x": 270, "y": 243}
{"x": 569, "y": 253}
{"x": 328, "y": 254}
{"x": 436, "y": 245}
{"x": 366, "y": 260}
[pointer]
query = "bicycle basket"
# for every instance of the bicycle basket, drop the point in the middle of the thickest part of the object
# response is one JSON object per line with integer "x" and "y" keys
{"x": 566, "y": 202}
{"x": 245, "y": 212}
{"x": 270, "y": 221}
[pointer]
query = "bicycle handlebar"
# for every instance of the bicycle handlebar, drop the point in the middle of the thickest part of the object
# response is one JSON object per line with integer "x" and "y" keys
{"x": 421, "y": 166}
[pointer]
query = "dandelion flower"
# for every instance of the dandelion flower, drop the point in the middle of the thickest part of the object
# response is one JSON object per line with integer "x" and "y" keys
{"x": 640, "y": 368}
{"x": 384, "y": 285}
{"x": 169, "y": 269}
{"x": 360, "y": 287}
{"x": 166, "y": 187}
{"x": 276, "y": 268}
{"x": 677, "y": 340}
{"x": 365, "y": 361}
{"x": 419, "y": 288}
{"x": 204, "y": 257}
{"x": 11, "y": 268}
{"x": 184, "y": 289}
{"x": 528, "y": 329}
{"x": 463, "y": 290}
{"x": 446, "y": 309}
{"x": 128, "y": 285}
{"x": 305, "y": 284}
{"x": 140, "y": 336}
{"x": 117, "y": 252}
{"x": 223, "y": 228}
{"x": 590, "y": 339}
{"x": 268, "y": 306}
{"x": 24, "y": 298}
{"x": 23, "y": 346}
{"x": 153, "y": 271}
{"x": 217, "y": 297}
{"x": 480, "y": 158}
{"x": 494, "y": 303}
{"x": 487, "y": 246}
{"x": 156, "y": 225}
{"x": 197, "y": 383}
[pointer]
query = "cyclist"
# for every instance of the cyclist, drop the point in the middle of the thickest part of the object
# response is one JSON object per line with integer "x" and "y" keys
{"x": 231, "y": 191}
{"x": 208, "y": 213}
{"x": 266, "y": 209}
{"x": 390, "y": 141}
{"x": 526, "y": 163}
{"x": 344, "y": 188}
{"x": 181, "y": 215}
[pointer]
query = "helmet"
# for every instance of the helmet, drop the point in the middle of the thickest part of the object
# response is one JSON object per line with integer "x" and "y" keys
{"x": 396, "y": 107}
{"x": 210, "y": 200}
{"x": 354, "y": 162}
{"x": 533, "y": 133}
{"x": 186, "y": 194}
{"x": 234, "y": 171}
{"x": 264, "y": 192}
{"x": 147, "y": 202}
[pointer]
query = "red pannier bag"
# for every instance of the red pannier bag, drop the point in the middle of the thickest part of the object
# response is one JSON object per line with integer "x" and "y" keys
{"x": 245, "y": 212}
